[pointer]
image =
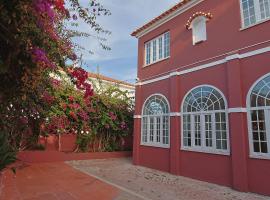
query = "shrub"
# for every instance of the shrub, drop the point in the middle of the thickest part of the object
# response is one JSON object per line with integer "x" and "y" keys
{"x": 7, "y": 154}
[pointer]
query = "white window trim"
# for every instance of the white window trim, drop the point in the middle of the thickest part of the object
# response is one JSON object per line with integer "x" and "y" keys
{"x": 157, "y": 50}
{"x": 253, "y": 154}
{"x": 154, "y": 143}
{"x": 257, "y": 15}
{"x": 204, "y": 149}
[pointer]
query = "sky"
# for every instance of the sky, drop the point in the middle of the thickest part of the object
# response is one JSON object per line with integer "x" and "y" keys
{"x": 127, "y": 15}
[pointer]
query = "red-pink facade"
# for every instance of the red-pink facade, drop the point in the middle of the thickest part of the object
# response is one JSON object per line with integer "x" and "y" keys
{"x": 232, "y": 59}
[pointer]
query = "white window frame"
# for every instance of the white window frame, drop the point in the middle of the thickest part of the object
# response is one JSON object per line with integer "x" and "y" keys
{"x": 266, "y": 109}
{"x": 158, "y": 59}
{"x": 203, "y": 148}
{"x": 155, "y": 143}
{"x": 257, "y": 15}
{"x": 199, "y": 33}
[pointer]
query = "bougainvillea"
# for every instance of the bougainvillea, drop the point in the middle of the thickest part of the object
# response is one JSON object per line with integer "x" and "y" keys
{"x": 36, "y": 41}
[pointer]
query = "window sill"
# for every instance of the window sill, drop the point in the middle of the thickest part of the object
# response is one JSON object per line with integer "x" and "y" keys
{"x": 260, "y": 156}
{"x": 256, "y": 24}
{"x": 156, "y": 62}
{"x": 216, "y": 152}
{"x": 156, "y": 145}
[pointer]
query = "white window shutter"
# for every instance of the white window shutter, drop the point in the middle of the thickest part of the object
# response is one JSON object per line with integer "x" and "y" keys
{"x": 199, "y": 30}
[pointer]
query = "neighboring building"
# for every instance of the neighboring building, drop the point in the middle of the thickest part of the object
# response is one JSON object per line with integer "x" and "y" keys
{"x": 203, "y": 96}
{"x": 100, "y": 81}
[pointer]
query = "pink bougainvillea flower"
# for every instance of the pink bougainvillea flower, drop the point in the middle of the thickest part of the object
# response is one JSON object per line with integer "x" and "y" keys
{"x": 123, "y": 125}
{"x": 39, "y": 56}
{"x": 83, "y": 115}
{"x": 74, "y": 106}
{"x": 112, "y": 116}
{"x": 55, "y": 83}
{"x": 71, "y": 98}
{"x": 47, "y": 97}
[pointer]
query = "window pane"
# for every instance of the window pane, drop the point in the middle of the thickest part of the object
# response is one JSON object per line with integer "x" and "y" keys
{"x": 144, "y": 136}
{"x": 151, "y": 129}
{"x": 208, "y": 130}
{"x": 197, "y": 129}
{"x": 154, "y": 50}
{"x": 248, "y": 12}
{"x": 160, "y": 52}
{"x": 264, "y": 9}
{"x": 158, "y": 129}
{"x": 165, "y": 139}
{"x": 166, "y": 44}
{"x": 148, "y": 53}
{"x": 187, "y": 130}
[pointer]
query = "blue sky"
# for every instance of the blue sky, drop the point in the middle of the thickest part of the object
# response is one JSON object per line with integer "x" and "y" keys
{"x": 127, "y": 15}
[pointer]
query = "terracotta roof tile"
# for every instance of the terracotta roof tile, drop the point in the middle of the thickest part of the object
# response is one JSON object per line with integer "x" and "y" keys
{"x": 102, "y": 77}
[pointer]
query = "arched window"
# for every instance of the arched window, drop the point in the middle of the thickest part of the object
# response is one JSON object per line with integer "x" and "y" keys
{"x": 155, "y": 122}
{"x": 198, "y": 26}
{"x": 204, "y": 121}
{"x": 258, "y": 104}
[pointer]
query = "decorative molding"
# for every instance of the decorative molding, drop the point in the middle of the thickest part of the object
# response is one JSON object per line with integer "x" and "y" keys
{"x": 237, "y": 110}
{"x": 137, "y": 116}
{"x": 208, "y": 65}
{"x": 179, "y": 114}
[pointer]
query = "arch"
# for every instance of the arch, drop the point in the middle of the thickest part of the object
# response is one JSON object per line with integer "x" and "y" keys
{"x": 257, "y": 82}
{"x": 205, "y": 120}
{"x": 153, "y": 95}
{"x": 258, "y": 106}
{"x": 205, "y": 85}
{"x": 155, "y": 122}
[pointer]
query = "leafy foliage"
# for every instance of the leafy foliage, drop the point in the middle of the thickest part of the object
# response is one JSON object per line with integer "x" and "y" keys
{"x": 100, "y": 122}
{"x": 7, "y": 154}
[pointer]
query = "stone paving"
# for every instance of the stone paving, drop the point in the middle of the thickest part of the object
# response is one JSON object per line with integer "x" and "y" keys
{"x": 139, "y": 183}
{"x": 110, "y": 179}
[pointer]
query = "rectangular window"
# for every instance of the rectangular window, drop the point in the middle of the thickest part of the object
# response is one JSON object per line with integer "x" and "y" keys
{"x": 255, "y": 11}
{"x": 157, "y": 49}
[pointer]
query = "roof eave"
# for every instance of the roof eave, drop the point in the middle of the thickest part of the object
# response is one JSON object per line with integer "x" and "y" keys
{"x": 165, "y": 17}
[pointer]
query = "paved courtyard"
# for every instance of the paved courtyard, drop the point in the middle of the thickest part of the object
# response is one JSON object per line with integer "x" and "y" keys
{"x": 139, "y": 183}
{"x": 110, "y": 179}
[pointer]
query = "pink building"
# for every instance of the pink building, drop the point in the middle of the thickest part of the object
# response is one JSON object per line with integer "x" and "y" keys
{"x": 203, "y": 95}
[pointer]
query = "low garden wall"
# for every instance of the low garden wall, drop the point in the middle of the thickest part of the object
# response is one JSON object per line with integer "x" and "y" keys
{"x": 67, "y": 143}
{"x": 56, "y": 156}
{"x": 58, "y": 149}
